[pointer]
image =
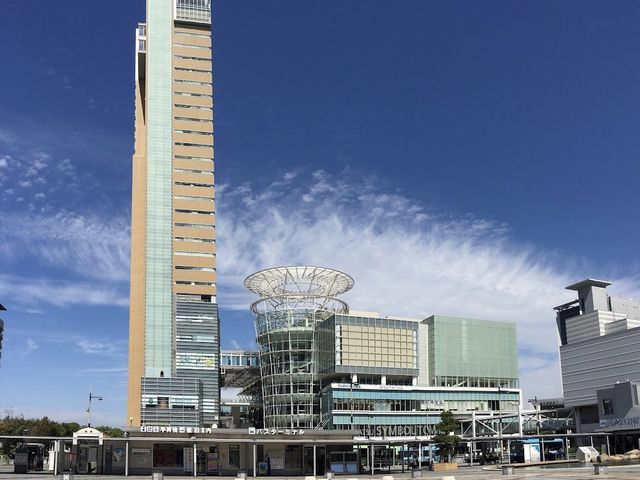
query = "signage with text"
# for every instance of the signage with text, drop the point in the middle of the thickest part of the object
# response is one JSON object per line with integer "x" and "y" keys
{"x": 275, "y": 431}
{"x": 157, "y": 429}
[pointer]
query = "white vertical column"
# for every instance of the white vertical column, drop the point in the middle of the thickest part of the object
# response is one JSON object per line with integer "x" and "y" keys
{"x": 520, "y": 414}
{"x": 56, "y": 448}
{"x": 126, "y": 459}
{"x": 254, "y": 459}
{"x": 195, "y": 459}
{"x": 473, "y": 424}
{"x": 314, "y": 459}
{"x": 372, "y": 458}
{"x": 419, "y": 456}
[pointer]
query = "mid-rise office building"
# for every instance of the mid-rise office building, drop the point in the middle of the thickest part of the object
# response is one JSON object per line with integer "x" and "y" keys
{"x": 174, "y": 328}
{"x": 393, "y": 377}
{"x": 324, "y": 366}
{"x": 599, "y": 349}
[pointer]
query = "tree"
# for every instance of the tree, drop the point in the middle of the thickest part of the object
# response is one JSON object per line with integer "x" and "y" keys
{"x": 446, "y": 436}
{"x": 112, "y": 432}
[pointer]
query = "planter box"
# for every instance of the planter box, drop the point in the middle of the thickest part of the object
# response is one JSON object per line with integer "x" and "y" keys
{"x": 444, "y": 467}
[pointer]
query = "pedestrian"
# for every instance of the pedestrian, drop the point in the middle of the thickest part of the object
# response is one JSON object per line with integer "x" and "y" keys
{"x": 268, "y": 465}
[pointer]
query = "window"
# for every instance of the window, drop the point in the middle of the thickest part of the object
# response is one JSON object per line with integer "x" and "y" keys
{"x": 607, "y": 406}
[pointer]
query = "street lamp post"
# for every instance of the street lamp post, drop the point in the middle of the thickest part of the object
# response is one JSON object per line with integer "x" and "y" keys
{"x": 500, "y": 421}
{"x": 92, "y": 397}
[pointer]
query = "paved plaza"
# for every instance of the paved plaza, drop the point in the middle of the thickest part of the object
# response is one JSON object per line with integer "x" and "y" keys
{"x": 466, "y": 473}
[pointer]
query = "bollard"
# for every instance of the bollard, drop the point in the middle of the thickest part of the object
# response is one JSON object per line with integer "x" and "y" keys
{"x": 599, "y": 469}
{"x": 67, "y": 476}
{"x": 415, "y": 473}
{"x": 329, "y": 474}
{"x": 242, "y": 475}
{"x": 157, "y": 476}
{"x": 507, "y": 470}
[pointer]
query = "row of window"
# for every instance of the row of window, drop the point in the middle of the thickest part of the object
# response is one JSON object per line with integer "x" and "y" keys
{"x": 190, "y": 34}
{"x": 199, "y": 212}
{"x": 193, "y": 119}
{"x": 193, "y": 107}
{"x": 194, "y": 239}
{"x": 193, "y": 70}
{"x": 193, "y": 170}
{"x": 196, "y": 145}
{"x": 186, "y": 57}
{"x": 194, "y": 225}
{"x": 237, "y": 360}
{"x": 194, "y": 184}
{"x": 196, "y": 284}
{"x": 377, "y": 405}
{"x": 193, "y": 132}
{"x": 480, "y": 382}
{"x": 197, "y": 269}
{"x": 195, "y": 254}
{"x": 190, "y": 94}
{"x": 194, "y": 198}
{"x": 193, "y": 157}
{"x": 190, "y": 45}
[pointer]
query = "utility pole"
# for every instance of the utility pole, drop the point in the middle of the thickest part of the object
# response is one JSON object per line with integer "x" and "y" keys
{"x": 92, "y": 397}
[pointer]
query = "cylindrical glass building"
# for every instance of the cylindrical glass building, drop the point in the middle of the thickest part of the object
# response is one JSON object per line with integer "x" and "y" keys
{"x": 293, "y": 301}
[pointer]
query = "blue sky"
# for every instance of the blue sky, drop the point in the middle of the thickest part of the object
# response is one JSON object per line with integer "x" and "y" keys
{"x": 462, "y": 158}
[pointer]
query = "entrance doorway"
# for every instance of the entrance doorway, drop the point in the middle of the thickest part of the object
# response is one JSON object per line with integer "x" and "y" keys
{"x": 88, "y": 458}
{"x": 307, "y": 460}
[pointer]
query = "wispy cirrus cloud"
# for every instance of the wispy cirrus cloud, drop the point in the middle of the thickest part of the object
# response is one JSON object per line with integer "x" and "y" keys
{"x": 406, "y": 258}
{"x": 27, "y": 292}
{"x": 97, "y": 347}
{"x": 88, "y": 246}
{"x": 30, "y": 347}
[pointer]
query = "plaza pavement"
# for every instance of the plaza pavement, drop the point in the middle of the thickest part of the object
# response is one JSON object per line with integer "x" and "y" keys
{"x": 464, "y": 473}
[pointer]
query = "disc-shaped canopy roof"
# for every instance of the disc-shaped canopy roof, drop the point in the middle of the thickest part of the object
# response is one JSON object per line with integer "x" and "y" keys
{"x": 298, "y": 281}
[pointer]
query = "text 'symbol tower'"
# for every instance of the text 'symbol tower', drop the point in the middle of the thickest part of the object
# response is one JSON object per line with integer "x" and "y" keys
{"x": 174, "y": 329}
{"x": 294, "y": 300}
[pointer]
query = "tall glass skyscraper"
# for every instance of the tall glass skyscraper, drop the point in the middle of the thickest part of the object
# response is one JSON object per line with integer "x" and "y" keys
{"x": 174, "y": 328}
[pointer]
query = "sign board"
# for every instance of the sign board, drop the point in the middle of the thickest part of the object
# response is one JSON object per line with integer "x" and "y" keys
{"x": 423, "y": 430}
{"x": 275, "y": 431}
{"x": 169, "y": 429}
{"x": 621, "y": 423}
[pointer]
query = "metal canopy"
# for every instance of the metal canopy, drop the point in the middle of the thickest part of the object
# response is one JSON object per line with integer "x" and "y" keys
{"x": 298, "y": 281}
